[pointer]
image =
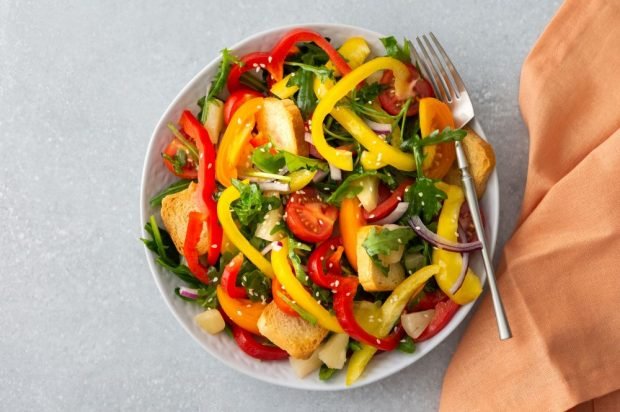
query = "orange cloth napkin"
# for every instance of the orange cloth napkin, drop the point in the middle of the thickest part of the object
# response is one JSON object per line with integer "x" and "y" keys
{"x": 560, "y": 272}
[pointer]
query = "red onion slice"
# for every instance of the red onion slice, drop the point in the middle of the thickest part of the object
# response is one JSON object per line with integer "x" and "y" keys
{"x": 188, "y": 292}
{"x": 319, "y": 176}
{"x": 381, "y": 128}
{"x": 315, "y": 153}
{"x": 334, "y": 172}
{"x": 437, "y": 241}
{"x": 396, "y": 214}
{"x": 274, "y": 187}
{"x": 267, "y": 249}
{"x": 308, "y": 137}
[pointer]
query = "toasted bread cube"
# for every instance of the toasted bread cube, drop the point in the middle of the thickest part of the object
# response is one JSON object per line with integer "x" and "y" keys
{"x": 370, "y": 276}
{"x": 175, "y": 209}
{"x": 282, "y": 123}
{"x": 295, "y": 335}
{"x": 481, "y": 158}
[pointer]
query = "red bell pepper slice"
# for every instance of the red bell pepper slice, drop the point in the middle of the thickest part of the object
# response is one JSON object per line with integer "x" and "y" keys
{"x": 247, "y": 342}
{"x": 343, "y": 306}
{"x": 229, "y": 278}
{"x": 192, "y": 236}
{"x": 252, "y": 61}
{"x": 282, "y": 49}
{"x": 320, "y": 255}
{"x": 444, "y": 312}
{"x": 388, "y": 205}
{"x": 206, "y": 188}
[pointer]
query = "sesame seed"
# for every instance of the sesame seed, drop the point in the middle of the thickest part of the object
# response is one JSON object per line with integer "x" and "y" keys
{"x": 215, "y": 279}
{"x": 378, "y": 341}
{"x": 257, "y": 69}
{"x": 262, "y": 65}
{"x": 239, "y": 313}
{"x": 420, "y": 194}
{"x": 210, "y": 165}
{"x": 239, "y": 120}
{"x": 399, "y": 198}
{"x": 371, "y": 216}
{"x": 214, "y": 246}
{"x": 269, "y": 59}
{"x": 348, "y": 294}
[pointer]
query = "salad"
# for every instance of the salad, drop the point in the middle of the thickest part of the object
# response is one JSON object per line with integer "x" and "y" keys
{"x": 318, "y": 216}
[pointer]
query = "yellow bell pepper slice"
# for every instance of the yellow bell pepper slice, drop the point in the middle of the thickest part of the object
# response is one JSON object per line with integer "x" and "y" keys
{"x": 233, "y": 234}
{"x": 235, "y": 141}
{"x": 286, "y": 277}
{"x": 355, "y": 51}
{"x": 243, "y": 312}
{"x": 300, "y": 179}
{"x": 353, "y": 124}
{"x": 390, "y": 313}
{"x": 281, "y": 88}
{"x": 451, "y": 262}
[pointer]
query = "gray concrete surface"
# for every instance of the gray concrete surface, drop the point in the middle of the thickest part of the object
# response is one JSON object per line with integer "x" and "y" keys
{"x": 82, "y": 84}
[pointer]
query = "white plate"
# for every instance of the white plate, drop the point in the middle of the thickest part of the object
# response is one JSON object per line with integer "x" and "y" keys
{"x": 155, "y": 177}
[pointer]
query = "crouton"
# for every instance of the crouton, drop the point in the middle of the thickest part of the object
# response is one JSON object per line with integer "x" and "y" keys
{"x": 281, "y": 122}
{"x": 370, "y": 276}
{"x": 175, "y": 209}
{"x": 295, "y": 335}
{"x": 481, "y": 159}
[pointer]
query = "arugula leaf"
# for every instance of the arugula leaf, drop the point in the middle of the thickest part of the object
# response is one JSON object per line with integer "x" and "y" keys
{"x": 274, "y": 163}
{"x": 257, "y": 285}
{"x": 304, "y": 314}
{"x": 407, "y": 345}
{"x": 326, "y": 373}
{"x": 446, "y": 135}
{"x": 300, "y": 273}
{"x": 424, "y": 198}
{"x": 178, "y": 161}
{"x": 321, "y": 71}
{"x": 175, "y": 187}
{"x": 393, "y": 49}
{"x": 350, "y": 186}
{"x": 306, "y": 99}
{"x": 386, "y": 241}
{"x": 168, "y": 257}
{"x": 368, "y": 92}
{"x": 252, "y": 206}
{"x": 295, "y": 162}
{"x": 354, "y": 345}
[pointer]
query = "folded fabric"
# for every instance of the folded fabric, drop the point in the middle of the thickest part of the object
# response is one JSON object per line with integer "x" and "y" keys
{"x": 560, "y": 272}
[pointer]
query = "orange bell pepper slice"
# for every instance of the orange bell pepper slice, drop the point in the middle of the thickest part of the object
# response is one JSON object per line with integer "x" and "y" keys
{"x": 235, "y": 141}
{"x": 243, "y": 312}
{"x": 351, "y": 220}
{"x": 436, "y": 115}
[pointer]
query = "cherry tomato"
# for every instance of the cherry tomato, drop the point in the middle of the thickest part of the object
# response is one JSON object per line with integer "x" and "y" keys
{"x": 308, "y": 217}
{"x": 428, "y": 300}
{"x": 444, "y": 311}
{"x": 235, "y": 101}
{"x": 188, "y": 171}
{"x": 418, "y": 88}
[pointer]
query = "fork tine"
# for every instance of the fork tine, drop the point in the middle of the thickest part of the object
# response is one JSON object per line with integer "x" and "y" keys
{"x": 458, "y": 81}
{"x": 435, "y": 78}
{"x": 421, "y": 64}
{"x": 444, "y": 75}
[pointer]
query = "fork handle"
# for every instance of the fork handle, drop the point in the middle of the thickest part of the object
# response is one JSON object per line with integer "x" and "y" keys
{"x": 474, "y": 208}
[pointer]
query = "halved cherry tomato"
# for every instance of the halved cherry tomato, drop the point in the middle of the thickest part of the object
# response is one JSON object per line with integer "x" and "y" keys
{"x": 444, "y": 311}
{"x": 308, "y": 217}
{"x": 276, "y": 290}
{"x": 436, "y": 115}
{"x": 188, "y": 171}
{"x": 388, "y": 205}
{"x": 235, "y": 100}
{"x": 419, "y": 88}
{"x": 428, "y": 300}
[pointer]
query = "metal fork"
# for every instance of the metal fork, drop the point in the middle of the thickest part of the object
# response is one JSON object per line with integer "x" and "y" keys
{"x": 449, "y": 87}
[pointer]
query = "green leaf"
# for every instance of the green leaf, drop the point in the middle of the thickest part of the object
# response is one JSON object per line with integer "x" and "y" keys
{"x": 393, "y": 49}
{"x": 351, "y": 187}
{"x": 218, "y": 82}
{"x": 326, "y": 373}
{"x": 175, "y": 187}
{"x": 257, "y": 285}
{"x": 304, "y": 314}
{"x": 300, "y": 273}
{"x": 274, "y": 163}
{"x": 207, "y": 297}
{"x": 368, "y": 92}
{"x": 354, "y": 345}
{"x": 387, "y": 240}
{"x": 252, "y": 206}
{"x": 306, "y": 99}
{"x": 321, "y": 71}
{"x": 425, "y": 199}
{"x": 407, "y": 345}
{"x": 446, "y": 135}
